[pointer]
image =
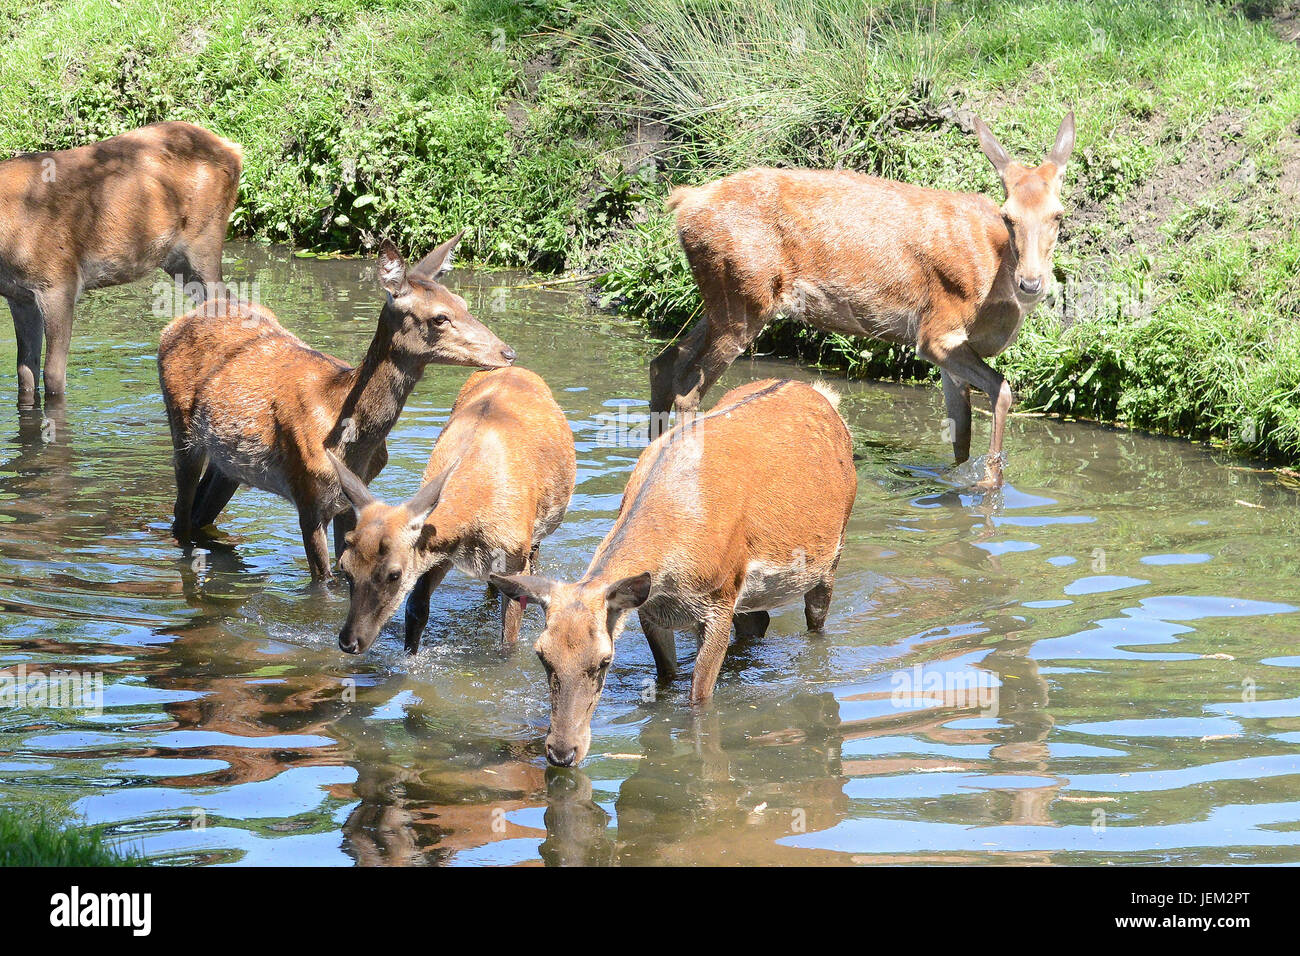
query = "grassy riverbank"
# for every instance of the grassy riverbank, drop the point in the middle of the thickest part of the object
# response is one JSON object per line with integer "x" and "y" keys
{"x": 554, "y": 129}
{"x": 29, "y": 838}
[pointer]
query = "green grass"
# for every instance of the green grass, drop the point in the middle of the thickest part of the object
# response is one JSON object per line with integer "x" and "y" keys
{"x": 29, "y": 838}
{"x": 415, "y": 118}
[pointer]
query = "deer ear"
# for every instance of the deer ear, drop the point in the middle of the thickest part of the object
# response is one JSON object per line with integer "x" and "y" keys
{"x": 392, "y": 271}
{"x": 524, "y": 587}
{"x": 629, "y": 592}
{"x": 438, "y": 263}
{"x": 1064, "y": 145}
{"x": 353, "y": 486}
{"x": 991, "y": 147}
{"x": 426, "y": 499}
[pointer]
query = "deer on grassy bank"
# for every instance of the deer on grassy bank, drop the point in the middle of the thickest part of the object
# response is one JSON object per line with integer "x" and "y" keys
{"x": 725, "y": 517}
{"x": 498, "y": 481}
{"x": 949, "y": 274}
{"x": 103, "y": 215}
{"x": 261, "y": 408}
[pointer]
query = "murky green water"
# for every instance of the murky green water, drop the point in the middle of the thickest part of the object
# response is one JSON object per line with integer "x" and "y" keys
{"x": 1105, "y": 669}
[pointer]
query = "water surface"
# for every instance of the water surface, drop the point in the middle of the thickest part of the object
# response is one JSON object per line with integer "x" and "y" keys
{"x": 1102, "y": 669}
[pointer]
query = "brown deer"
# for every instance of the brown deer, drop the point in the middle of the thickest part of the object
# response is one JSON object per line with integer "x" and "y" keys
{"x": 726, "y": 517}
{"x": 261, "y": 407}
{"x": 498, "y": 481}
{"x": 948, "y": 273}
{"x": 102, "y": 215}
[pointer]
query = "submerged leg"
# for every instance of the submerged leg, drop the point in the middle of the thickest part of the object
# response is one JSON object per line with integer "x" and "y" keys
{"x": 751, "y": 624}
{"x": 964, "y": 363}
{"x": 417, "y": 604}
{"x": 56, "y": 309}
{"x": 817, "y": 604}
{"x": 512, "y": 612}
{"x": 708, "y": 662}
{"x": 663, "y": 646}
{"x": 214, "y": 493}
{"x": 29, "y": 332}
{"x": 956, "y": 401}
{"x": 189, "y": 466}
{"x": 315, "y": 542}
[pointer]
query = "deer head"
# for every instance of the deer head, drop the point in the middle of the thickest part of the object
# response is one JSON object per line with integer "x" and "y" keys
{"x": 1032, "y": 211}
{"x": 576, "y": 648}
{"x": 429, "y": 322}
{"x": 383, "y": 557}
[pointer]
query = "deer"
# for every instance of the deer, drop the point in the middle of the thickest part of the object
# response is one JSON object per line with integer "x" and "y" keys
{"x": 259, "y": 407}
{"x": 498, "y": 481}
{"x": 726, "y": 517}
{"x": 106, "y": 214}
{"x": 949, "y": 274}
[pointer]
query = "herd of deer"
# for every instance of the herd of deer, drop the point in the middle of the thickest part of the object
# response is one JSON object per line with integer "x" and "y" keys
{"x": 728, "y": 515}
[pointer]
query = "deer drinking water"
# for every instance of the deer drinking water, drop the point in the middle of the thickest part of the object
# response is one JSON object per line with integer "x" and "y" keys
{"x": 726, "y": 517}
{"x": 103, "y": 215}
{"x": 948, "y": 273}
{"x": 498, "y": 481}
{"x": 262, "y": 408}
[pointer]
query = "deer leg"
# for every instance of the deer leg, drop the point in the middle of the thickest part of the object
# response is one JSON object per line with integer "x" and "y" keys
{"x": 344, "y": 523}
{"x": 56, "y": 310}
{"x": 817, "y": 604}
{"x": 417, "y": 605}
{"x": 956, "y": 403}
{"x": 726, "y": 341}
{"x": 751, "y": 624}
{"x": 316, "y": 543}
{"x": 663, "y": 646}
{"x": 708, "y": 661}
{"x": 189, "y": 466}
{"x": 512, "y": 612}
{"x": 963, "y": 362}
{"x": 214, "y": 493}
{"x": 28, "y": 331}
{"x": 696, "y": 377}
{"x": 665, "y": 371}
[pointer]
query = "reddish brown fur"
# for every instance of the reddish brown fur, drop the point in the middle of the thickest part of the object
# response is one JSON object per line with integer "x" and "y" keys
{"x": 262, "y": 408}
{"x": 498, "y": 481}
{"x": 735, "y": 513}
{"x": 948, "y": 273}
{"x": 102, "y": 215}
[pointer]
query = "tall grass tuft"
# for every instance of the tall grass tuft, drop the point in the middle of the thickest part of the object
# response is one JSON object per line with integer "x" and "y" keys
{"x": 30, "y": 837}
{"x": 761, "y": 82}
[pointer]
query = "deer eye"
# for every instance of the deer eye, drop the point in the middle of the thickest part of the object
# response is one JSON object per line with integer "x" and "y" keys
{"x": 394, "y": 575}
{"x": 441, "y": 318}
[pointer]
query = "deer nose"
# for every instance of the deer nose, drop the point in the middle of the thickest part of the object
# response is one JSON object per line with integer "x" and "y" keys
{"x": 560, "y": 757}
{"x": 1031, "y": 286}
{"x": 508, "y": 354}
{"x": 347, "y": 643}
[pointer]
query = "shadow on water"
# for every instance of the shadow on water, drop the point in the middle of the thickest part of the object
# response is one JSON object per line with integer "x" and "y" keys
{"x": 1099, "y": 667}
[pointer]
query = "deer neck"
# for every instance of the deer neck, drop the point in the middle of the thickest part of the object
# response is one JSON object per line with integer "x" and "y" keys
{"x": 376, "y": 391}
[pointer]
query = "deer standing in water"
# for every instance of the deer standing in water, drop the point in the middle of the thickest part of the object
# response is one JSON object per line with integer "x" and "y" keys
{"x": 949, "y": 274}
{"x": 261, "y": 408}
{"x": 103, "y": 215}
{"x": 728, "y": 516}
{"x": 498, "y": 481}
